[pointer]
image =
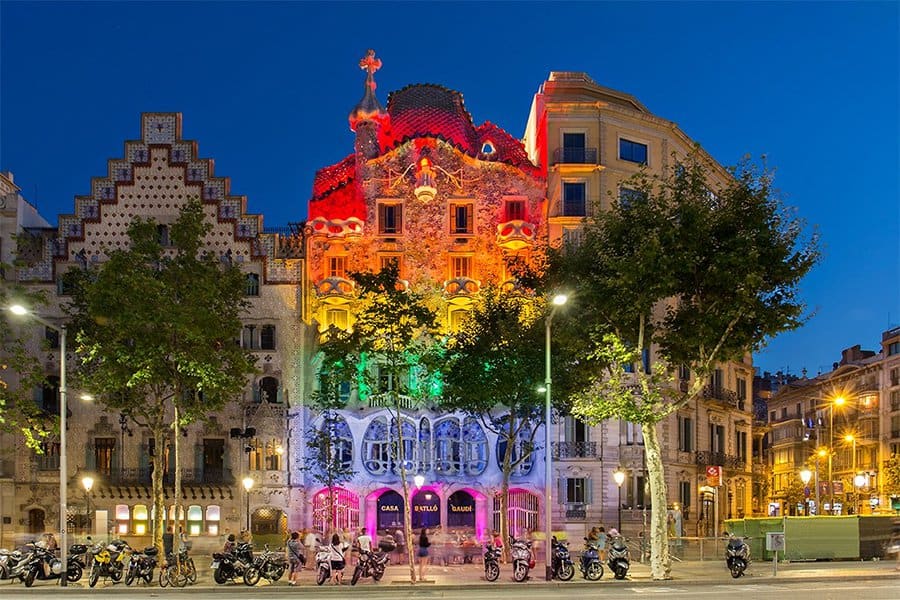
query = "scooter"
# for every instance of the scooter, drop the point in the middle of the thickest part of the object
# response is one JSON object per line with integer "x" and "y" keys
{"x": 33, "y": 566}
{"x": 617, "y": 557}
{"x": 590, "y": 565}
{"x": 561, "y": 565}
{"x": 737, "y": 556}
{"x": 370, "y": 564}
{"x": 491, "y": 562}
{"x": 323, "y": 565}
{"x": 522, "y": 558}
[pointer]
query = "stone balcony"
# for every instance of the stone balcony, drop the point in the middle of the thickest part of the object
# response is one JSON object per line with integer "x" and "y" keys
{"x": 574, "y": 450}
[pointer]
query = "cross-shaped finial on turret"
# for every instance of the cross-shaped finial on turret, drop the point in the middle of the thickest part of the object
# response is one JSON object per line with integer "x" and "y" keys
{"x": 370, "y": 64}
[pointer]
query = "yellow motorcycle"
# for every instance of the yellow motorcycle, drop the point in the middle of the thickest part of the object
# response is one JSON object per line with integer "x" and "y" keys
{"x": 109, "y": 561}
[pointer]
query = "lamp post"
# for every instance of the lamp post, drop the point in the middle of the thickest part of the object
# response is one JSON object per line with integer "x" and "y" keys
{"x": 805, "y": 476}
{"x": 619, "y": 477}
{"x": 852, "y": 440}
{"x": 819, "y": 454}
{"x": 838, "y": 401}
{"x": 248, "y": 485}
{"x": 18, "y": 309}
{"x": 558, "y": 300}
{"x": 859, "y": 480}
{"x": 88, "y": 482}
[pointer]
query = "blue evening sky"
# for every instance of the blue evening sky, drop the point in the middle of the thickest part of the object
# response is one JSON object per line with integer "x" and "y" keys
{"x": 265, "y": 89}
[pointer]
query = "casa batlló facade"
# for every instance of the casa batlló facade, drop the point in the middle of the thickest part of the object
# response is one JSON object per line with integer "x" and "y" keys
{"x": 444, "y": 199}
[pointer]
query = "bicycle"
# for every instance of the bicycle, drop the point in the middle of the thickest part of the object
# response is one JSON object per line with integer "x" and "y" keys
{"x": 178, "y": 573}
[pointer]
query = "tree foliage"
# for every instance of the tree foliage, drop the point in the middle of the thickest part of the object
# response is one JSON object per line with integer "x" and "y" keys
{"x": 693, "y": 268}
{"x": 891, "y": 473}
{"x": 21, "y": 372}
{"x": 155, "y": 327}
{"x": 396, "y": 330}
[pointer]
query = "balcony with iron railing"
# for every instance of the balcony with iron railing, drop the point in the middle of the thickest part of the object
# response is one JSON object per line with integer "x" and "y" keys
{"x": 565, "y": 450}
{"x": 728, "y": 461}
{"x": 576, "y": 512}
{"x": 144, "y": 476}
{"x": 720, "y": 395}
{"x": 575, "y": 156}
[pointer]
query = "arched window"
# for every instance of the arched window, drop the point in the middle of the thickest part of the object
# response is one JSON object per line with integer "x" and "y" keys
{"x": 424, "y": 445}
{"x": 342, "y": 441}
{"x": 268, "y": 390}
{"x": 251, "y": 287}
{"x": 139, "y": 518}
{"x": 522, "y": 449}
{"x": 376, "y": 447}
{"x": 408, "y": 456}
{"x": 213, "y": 515}
{"x": 447, "y": 447}
{"x": 194, "y": 519}
{"x": 475, "y": 452}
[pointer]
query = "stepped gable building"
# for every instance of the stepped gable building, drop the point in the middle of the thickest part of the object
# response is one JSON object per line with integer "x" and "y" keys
{"x": 447, "y": 201}
{"x": 156, "y": 175}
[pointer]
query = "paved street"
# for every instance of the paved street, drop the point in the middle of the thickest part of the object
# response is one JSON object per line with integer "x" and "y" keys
{"x": 840, "y": 581}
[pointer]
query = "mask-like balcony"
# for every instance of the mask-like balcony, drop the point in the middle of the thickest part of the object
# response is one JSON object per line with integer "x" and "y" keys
{"x": 461, "y": 287}
{"x": 334, "y": 290}
{"x": 515, "y": 235}
{"x": 337, "y": 228}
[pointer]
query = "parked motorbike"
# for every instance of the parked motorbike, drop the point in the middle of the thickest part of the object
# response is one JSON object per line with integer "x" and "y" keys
{"x": 141, "y": 565}
{"x": 230, "y": 565}
{"x": 737, "y": 556}
{"x": 590, "y": 565}
{"x": 323, "y": 565}
{"x": 491, "y": 562}
{"x": 41, "y": 563}
{"x": 370, "y": 564}
{"x": 269, "y": 565}
{"x": 617, "y": 557}
{"x": 522, "y": 558}
{"x": 8, "y": 561}
{"x": 108, "y": 561}
{"x": 561, "y": 563}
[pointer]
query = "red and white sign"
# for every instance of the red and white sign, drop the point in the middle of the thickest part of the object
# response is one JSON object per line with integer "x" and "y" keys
{"x": 714, "y": 476}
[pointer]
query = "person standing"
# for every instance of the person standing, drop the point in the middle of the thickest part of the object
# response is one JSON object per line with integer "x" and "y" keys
{"x": 400, "y": 540}
{"x": 311, "y": 541}
{"x": 422, "y": 553}
{"x": 601, "y": 543}
{"x": 168, "y": 540}
{"x": 364, "y": 540}
{"x": 295, "y": 558}
{"x": 336, "y": 554}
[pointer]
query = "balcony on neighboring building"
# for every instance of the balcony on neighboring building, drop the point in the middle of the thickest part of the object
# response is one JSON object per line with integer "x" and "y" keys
{"x": 575, "y": 156}
{"x": 576, "y": 512}
{"x": 720, "y": 395}
{"x": 735, "y": 463}
{"x": 144, "y": 476}
{"x": 564, "y": 450}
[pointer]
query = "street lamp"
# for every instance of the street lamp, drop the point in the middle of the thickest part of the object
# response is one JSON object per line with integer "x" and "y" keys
{"x": 859, "y": 480}
{"x": 558, "y": 300}
{"x": 248, "y": 485}
{"x": 88, "y": 482}
{"x": 18, "y": 309}
{"x": 838, "y": 401}
{"x": 805, "y": 476}
{"x": 820, "y": 453}
{"x": 619, "y": 477}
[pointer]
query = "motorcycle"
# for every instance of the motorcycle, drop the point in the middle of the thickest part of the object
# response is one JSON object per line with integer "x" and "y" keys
{"x": 590, "y": 565}
{"x": 268, "y": 564}
{"x": 323, "y": 565}
{"x": 108, "y": 561}
{"x": 230, "y": 565}
{"x": 737, "y": 556}
{"x": 617, "y": 557}
{"x": 561, "y": 564}
{"x": 141, "y": 565}
{"x": 522, "y": 558}
{"x": 34, "y": 565}
{"x": 370, "y": 564}
{"x": 491, "y": 562}
{"x": 8, "y": 561}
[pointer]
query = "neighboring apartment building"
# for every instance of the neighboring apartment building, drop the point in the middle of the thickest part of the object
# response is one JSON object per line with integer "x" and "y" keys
{"x": 842, "y": 426}
{"x": 588, "y": 140}
{"x": 157, "y": 174}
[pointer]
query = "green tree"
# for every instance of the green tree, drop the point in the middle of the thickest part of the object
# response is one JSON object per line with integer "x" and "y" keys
{"x": 688, "y": 270}
{"x": 495, "y": 365}
{"x": 20, "y": 370}
{"x": 155, "y": 327}
{"x": 395, "y": 329}
{"x": 891, "y": 474}
{"x": 326, "y": 461}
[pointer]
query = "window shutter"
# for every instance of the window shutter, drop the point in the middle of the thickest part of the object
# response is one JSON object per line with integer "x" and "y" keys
{"x": 570, "y": 429}
{"x": 398, "y": 218}
{"x": 588, "y": 490}
{"x": 90, "y": 461}
{"x": 470, "y": 222}
{"x": 199, "y": 475}
{"x": 562, "y": 496}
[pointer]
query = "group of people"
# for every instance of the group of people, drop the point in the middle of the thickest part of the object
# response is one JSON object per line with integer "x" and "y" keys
{"x": 598, "y": 538}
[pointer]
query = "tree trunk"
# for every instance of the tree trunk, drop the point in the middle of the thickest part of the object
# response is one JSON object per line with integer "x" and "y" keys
{"x": 176, "y": 545}
{"x": 159, "y": 505}
{"x": 400, "y": 457}
{"x": 511, "y": 435}
{"x": 660, "y": 563}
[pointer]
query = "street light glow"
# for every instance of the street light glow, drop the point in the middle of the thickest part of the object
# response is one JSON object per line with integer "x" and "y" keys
{"x": 805, "y": 476}
{"x": 619, "y": 477}
{"x": 840, "y": 401}
{"x": 248, "y": 483}
{"x": 419, "y": 480}
{"x": 18, "y": 309}
{"x": 849, "y": 437}
{"x": 560, "y": 299}
{"x": 88, "y": 482}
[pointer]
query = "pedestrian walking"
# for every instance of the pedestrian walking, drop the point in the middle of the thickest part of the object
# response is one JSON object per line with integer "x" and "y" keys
{"x": 336, "y": 554}
{"x": 295, "y": 558}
